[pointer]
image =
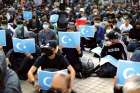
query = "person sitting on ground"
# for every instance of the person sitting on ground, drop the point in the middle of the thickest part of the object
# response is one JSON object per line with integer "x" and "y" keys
{"x": 9, "y": 82}
{"x": 50, "y": 59}
{"x": 114, "y": 46}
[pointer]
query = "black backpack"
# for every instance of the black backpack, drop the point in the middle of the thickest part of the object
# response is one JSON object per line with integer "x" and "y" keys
{"x": 106, "y": 70}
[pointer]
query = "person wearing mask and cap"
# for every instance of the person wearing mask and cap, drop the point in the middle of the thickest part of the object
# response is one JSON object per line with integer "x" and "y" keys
{"x": 46, "y": 34}
{"x": 50, "y": 59}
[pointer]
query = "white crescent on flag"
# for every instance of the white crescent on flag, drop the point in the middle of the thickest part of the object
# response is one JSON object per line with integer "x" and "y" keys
{"x": 20, "y": 46}
{"x": 45, "y": 81}
{"x": 129, "y": 72}
{"x": 66, "y": 39}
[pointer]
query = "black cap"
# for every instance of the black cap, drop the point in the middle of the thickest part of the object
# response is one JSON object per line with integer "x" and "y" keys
{"x": 51, "y": 44}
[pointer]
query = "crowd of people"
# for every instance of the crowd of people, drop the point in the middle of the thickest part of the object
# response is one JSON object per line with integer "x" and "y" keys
{"x": 117, "y": 30}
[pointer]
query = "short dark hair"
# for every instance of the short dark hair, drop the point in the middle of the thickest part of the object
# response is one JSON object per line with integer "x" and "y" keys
{"x": 113, "y": 35}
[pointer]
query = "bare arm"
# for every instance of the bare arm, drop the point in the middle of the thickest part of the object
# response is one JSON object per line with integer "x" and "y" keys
{"x": 31, "y": 72}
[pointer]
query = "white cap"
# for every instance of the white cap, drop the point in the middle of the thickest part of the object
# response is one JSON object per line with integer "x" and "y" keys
{"x": 82, "y": 10}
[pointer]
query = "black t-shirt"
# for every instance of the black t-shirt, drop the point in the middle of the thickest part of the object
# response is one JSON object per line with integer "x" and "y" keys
{"x": 116, "y": 50}
{"x": 59, "y": 62}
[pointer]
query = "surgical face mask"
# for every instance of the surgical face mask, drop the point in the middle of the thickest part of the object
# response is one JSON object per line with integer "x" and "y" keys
{"x": 96, "y": 24}
{"x": 45, "y": 26}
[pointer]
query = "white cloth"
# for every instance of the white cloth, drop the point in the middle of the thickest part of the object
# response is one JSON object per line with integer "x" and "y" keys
{"x": 123, "y": 28}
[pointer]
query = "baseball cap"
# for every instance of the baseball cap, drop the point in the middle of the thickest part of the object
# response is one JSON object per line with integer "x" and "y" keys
{"x": 51, "y": 44}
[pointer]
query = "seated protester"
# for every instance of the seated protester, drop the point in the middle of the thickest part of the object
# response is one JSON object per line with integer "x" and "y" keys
{"x": 9, "y": 35}
{"x": 132, "y": 85}
{"x": 46, "y": 34}
{"x": 9, "y": 82}
{"x": 60, "y": 84}
{"x": 114, "y": 47}
{"x": 92, "y": 42}
{"x": 19, "y": 30}
{"x": 22, "y": 62}
{"x": 73, "y": 54}
{"x": 134, "y": 33}
{"x": 125, "y": 29}
{"x": 50, "y": 59}
{"x": 100, "y": 32}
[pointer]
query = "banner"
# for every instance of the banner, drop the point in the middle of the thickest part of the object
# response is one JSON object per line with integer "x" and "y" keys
{"x": 69, "y": 39}
{"x": 2, "y": 38}
{"x": 54, "y": 18}
{"x": 27, "y": 15}
{"x": 24, "y": 45}
{"x": 127, "y": 69}
{"x": 45, "y": 78}
{"x": 87, "y": 31}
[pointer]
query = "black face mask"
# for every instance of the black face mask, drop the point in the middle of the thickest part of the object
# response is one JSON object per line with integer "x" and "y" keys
{"x": 47, "y": 51}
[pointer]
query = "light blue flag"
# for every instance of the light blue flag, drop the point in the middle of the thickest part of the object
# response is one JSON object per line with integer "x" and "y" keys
{"x": 45, "y": 78}
{"x": 2, "y": 38}
{"x": 54, "y": 18}
{"x": 27, "y": 15}
{"x": 69, "y": 39}
{"x": 24, "y": 45}
{"x": 87, "y": 31}
{"x": 127, "y": 69}
{"x": 109, "y": 59}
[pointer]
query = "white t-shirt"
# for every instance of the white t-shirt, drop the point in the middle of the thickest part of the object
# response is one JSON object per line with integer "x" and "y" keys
{"x": 123, "y": 28}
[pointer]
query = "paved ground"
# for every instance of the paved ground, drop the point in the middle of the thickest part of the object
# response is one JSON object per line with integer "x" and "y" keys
{"x": 89, "y": 85}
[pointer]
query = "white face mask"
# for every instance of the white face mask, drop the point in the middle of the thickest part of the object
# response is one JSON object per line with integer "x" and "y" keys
{"x": 96, "y": 24}
{"x": 45, "y": 26}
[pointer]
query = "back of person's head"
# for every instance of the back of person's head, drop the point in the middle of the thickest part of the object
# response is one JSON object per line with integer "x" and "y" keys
{"x": 113, "y": 35}
{"x": 61, "y": 83}
{"x": 132, "y": 85}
